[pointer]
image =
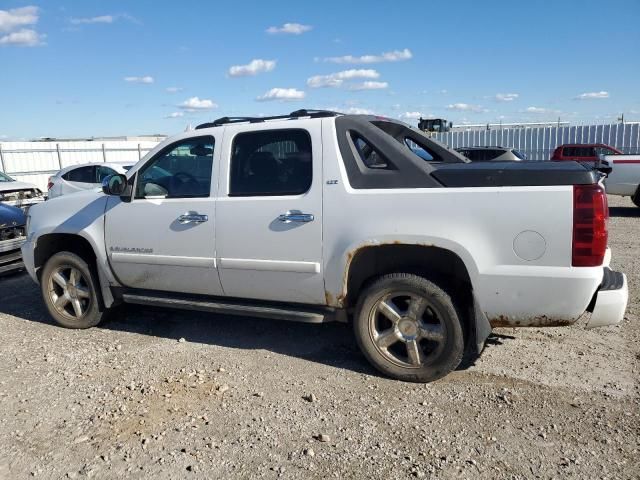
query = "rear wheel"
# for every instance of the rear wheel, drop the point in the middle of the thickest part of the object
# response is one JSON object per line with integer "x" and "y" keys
{"x": 636, "y": 198}
{"x": 409, "y": 328}
{"x": 70, "y": 291}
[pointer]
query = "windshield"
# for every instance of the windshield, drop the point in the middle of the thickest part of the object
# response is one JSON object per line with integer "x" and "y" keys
{"x": 5, "y": 178}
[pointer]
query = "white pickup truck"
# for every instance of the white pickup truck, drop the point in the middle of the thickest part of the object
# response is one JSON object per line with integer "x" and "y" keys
{"x": 317, "y": 216}
{"x": 624, "y": 178}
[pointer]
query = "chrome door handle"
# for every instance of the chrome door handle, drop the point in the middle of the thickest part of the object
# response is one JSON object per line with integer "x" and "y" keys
{"x": 192, "y": 217}
{"x": 296, "y": 216}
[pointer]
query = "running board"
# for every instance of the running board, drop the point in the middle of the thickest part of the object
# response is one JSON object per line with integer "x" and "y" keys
{"x": 248, "y": 310}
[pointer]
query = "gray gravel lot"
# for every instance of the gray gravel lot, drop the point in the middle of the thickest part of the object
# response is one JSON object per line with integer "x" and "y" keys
{"x": 171, "y": 394}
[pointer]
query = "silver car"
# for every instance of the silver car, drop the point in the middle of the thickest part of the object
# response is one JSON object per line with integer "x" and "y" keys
{"x": 82, "y": 177}
{"x": 492, "y": 154}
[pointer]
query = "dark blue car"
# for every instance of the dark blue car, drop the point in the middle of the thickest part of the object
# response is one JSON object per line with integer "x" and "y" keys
{"x": 12, "y": 236}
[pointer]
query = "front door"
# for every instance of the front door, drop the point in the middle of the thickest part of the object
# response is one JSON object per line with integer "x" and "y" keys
{"x": 164, "y": 238}
{"x": 269, "y": 212}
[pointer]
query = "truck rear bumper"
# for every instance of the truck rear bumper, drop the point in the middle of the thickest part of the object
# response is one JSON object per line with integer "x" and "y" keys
{"x": 610, "y": 301}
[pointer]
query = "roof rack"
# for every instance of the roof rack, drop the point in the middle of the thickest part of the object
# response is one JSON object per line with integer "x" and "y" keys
{"x": 296, "y": 114}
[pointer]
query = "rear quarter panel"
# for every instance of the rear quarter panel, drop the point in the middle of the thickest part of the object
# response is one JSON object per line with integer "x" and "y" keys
{"x": 480, "y": 225}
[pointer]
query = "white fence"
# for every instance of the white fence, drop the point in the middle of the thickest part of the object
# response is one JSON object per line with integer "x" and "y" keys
{"x": 538, "y": 143}
{"x": 35, "y": 161}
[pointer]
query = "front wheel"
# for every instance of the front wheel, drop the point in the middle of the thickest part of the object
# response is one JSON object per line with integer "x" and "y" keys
{"x": 70, "y": 291}
{"x": 409, "y": 328}
{"x": 636, "y": 198}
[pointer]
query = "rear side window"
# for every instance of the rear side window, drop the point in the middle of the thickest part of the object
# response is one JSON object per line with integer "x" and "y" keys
{"x": 271, "y": 162}
{"x": 369, "y": 155}
{"x": 81, "y": 175}
{"x": 578, "y": 152}
{"x": 604, "y": 151}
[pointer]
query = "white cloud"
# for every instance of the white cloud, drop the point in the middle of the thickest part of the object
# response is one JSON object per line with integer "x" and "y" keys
{"x": 466, "y": 107}
{"x": 337, "y": 79}
{"x": 23, "y": 38}
{"x": 195, "y": 103}
{"x": 252, "y": 68}
{"x": 18, "y": 17}
{"x": 144, "y": 80}
{"x": 90, "y": 20}
{"x": 393, "y": 56}
{"x": 537, "y": 110}
{"x": 102, "y": 19}
{"x": 173, "y": 89}
{"x": 12, "y": 23}
{"x": 506, "y": 97}
{"x": 358, "y": 111}
{"x": 281, "y": 94}
{"x": 175, "y": 115}
{"x": 290, "y": 28}
{"x": 415, "y": 115}
{"x": 369, "y": 86}
{"x": 592, "y": 95}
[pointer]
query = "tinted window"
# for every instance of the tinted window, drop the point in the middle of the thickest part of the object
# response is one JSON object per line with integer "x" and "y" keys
{"x": 181, "y": 170}
{"x": 104, "y": 172}
{"x": 493, "y": 154}
{"x": 418, "y": 150}
{"x": 604, "y": 151}
{"x": 369, "y": 155}
{"x": 476, "y": 155}
{"x": 578, "y": 152}
{"x": 82, "y": 175}
{"x": 271, "y": 162}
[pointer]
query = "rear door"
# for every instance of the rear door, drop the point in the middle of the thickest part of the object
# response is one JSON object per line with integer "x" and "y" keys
{"x": 269, "y": 212}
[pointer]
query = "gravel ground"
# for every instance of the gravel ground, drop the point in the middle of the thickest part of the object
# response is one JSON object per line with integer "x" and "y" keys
{"x": 169, "y": 394}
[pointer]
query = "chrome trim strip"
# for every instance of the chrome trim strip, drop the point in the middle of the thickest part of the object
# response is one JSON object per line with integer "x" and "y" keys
{"x": 269, "y": 265}
{"x": 172, "y": 260}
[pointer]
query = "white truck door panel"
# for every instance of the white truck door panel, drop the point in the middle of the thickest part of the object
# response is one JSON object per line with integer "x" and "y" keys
{"x": 167, "y": 242}
{"x": 269, "y": 213}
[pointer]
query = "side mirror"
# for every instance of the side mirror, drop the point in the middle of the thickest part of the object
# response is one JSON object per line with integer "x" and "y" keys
{"x": 114, "y": 184}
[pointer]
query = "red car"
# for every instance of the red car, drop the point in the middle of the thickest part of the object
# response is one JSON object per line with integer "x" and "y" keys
{"x": 583, "y": 152}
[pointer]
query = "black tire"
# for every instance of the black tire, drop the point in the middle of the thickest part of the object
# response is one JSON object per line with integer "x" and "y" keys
{"x": 434, "y": 357}
{"x": 636, "y": 198}
{"x": 82, "y": 287}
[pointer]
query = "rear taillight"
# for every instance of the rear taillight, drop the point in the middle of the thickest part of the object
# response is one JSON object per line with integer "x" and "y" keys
{"x": 50, "y": 184}
{"x": 590, "y": 216}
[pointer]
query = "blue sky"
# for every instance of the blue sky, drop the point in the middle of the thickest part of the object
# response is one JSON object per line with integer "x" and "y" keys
{"x": 95, "y": 68}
